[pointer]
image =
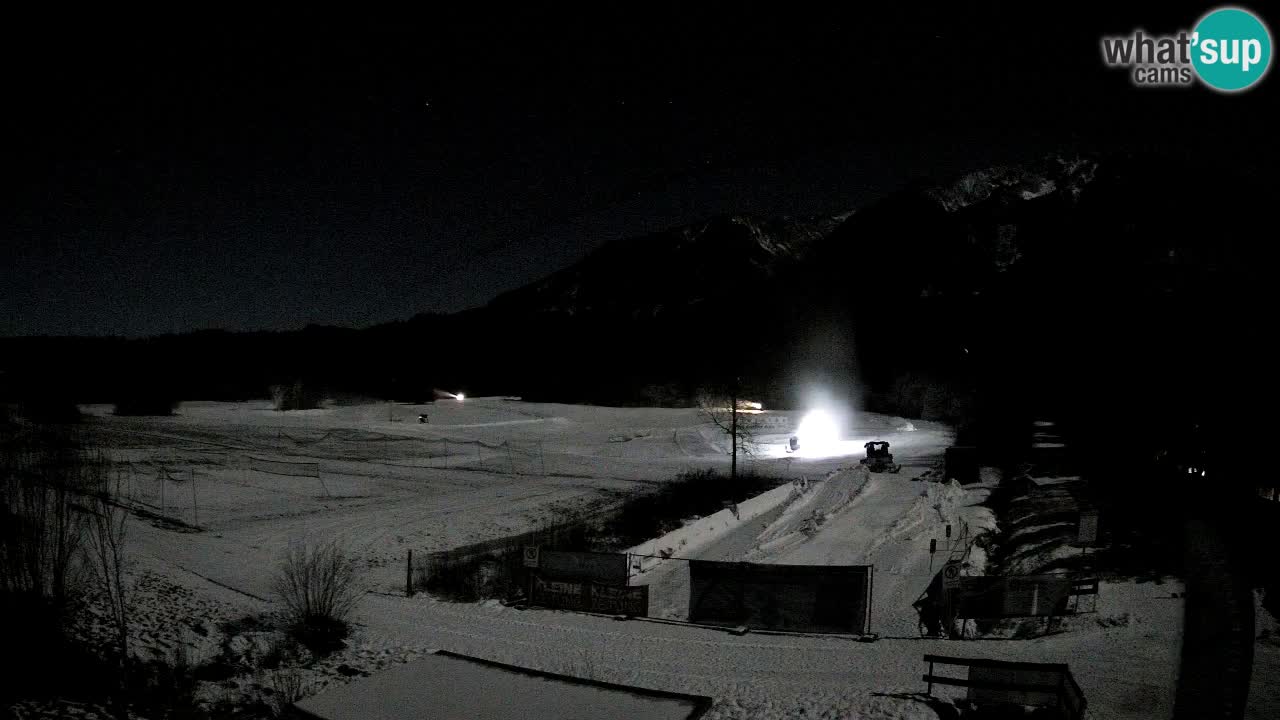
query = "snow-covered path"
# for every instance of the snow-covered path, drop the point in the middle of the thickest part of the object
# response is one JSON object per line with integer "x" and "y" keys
{"x": 889, "y": 525}
{"x": 767, "y": 676}
{"x": 669, "y": 581}
{"x": 850, "y": 538}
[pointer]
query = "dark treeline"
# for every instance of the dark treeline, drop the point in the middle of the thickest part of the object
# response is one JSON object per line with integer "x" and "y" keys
{"x": 1069, "y": 287}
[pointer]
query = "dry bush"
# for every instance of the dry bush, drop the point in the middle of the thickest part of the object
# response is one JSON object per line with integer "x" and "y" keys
{"x": 296, "y": 396}
{"x": 319, "y": 587}
{"x": 107, "y": 534}
{"x": 288, "y": 686}
{"x": 44, "y": 475}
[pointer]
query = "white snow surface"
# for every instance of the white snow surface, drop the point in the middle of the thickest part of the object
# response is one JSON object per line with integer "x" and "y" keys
{"x": 486, "y": 467}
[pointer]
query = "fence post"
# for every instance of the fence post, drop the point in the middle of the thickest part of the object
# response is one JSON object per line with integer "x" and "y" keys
{"x": 408, "y": 575}
{"x": 195, "y": 506}
{"x": 510, "y": 460}
{"x": 871, "y": 588}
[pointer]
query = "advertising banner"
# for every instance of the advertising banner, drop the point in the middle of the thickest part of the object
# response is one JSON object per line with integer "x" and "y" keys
{"x": 587, "y": 596}
{"x": 567, "y": 565}
{"x": 780, "y": 597}
{"x": 992, "y": 597}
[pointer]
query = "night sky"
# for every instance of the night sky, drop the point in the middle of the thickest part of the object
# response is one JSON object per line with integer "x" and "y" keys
{"x": 268, "y": 174}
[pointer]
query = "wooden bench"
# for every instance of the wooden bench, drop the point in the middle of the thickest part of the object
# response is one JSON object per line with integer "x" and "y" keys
{"x": 1013, "y": 683}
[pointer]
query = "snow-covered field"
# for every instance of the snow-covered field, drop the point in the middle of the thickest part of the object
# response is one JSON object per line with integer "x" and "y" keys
{"x": 488, "y": 467}
{"x": 388, "y": 484}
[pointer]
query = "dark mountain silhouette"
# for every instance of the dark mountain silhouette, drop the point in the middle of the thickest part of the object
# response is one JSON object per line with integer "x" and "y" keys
{"x": 672, "y": 271}
{"x": 1064, "y": 282}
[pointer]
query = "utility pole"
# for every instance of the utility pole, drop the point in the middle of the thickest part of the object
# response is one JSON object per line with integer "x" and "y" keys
{"x": 733, "y": 429}
{"x": 408, "y": 575}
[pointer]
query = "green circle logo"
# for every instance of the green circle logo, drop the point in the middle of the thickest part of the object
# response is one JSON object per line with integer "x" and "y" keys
{"x": 1231, "y": 49}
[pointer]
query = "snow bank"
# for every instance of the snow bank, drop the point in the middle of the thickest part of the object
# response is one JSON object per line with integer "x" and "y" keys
{"x": 817, "y": 502}
{"x": 903, "y": 703}
{"x": 691, "y": 538}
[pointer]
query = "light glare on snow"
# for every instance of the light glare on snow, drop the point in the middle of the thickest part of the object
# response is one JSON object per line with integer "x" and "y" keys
{"x": 819, "y": 434}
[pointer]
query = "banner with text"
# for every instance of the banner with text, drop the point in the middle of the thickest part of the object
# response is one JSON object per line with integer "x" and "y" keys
{"x": 812, "y": 598}
{"x": 992, "y": 597}
{"x": 567, "y": 565}
{"x": 591, "y": 597}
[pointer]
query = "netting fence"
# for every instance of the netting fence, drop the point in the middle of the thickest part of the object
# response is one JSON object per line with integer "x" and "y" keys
{"x": 168, "y": 492}
{"x": 508, "y": 457}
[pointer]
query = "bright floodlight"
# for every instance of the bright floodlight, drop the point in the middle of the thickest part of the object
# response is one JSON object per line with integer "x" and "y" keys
{"x": 460, "y": 397}
{"x": 818, "y": 433}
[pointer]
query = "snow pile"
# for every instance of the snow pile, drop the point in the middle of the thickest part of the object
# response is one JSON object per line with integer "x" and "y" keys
{"x": 59, "y": 709}
{"x": 816, "y": 503}
{"x": 1264, "y": 691}
{"x": 981, "y": 520}
{"x": 1041, "y": 527}
{"x": 693, "y": 537}
{"x": 938, "y": 503}
{"x": 902, "y": 705}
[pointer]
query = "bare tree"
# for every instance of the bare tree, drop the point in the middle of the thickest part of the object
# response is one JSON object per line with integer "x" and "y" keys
{"x": 41, "y": 480}
{"x": 296, "y": 396}
{"x": 722, "y": 410}
{"x": 108, "y": 529}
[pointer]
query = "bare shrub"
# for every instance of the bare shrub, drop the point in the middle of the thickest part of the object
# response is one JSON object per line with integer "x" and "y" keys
{"x": 319, "y": 587}
{"x": 288, "y": 686}
{"x": 107, "y": 532}
{"x": 43, "y": 475}
{"x": 165, "y": 686}
{"x": 296, "y": 396}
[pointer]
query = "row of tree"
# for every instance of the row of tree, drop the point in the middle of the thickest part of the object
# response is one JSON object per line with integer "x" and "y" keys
{"x": 62, "y": 542}
{"x": 64, "y": 527}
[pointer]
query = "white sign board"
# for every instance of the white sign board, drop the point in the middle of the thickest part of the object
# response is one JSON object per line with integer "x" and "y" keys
{"x": 951, "y": 576}
{"x": 531, "y": 556}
